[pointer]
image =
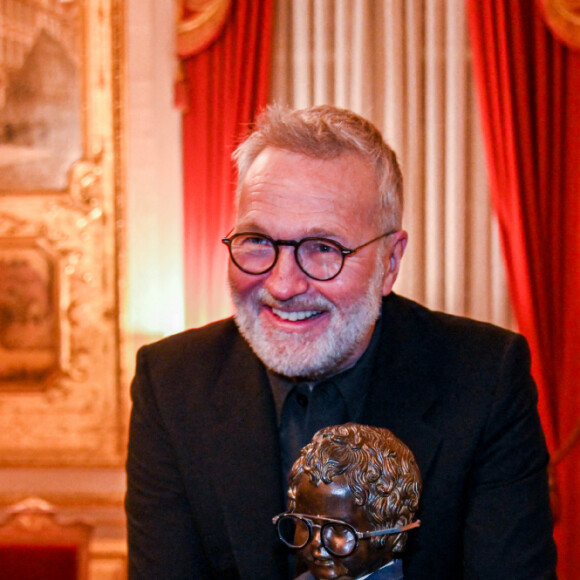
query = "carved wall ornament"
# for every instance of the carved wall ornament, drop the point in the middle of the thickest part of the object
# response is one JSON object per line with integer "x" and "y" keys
{"x": 563, "y": 18}
{"x": 199, "y": 23}
{"x": 61, "y": 397}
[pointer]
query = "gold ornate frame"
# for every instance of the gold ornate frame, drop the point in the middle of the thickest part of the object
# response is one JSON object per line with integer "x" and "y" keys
{"x": 73, "y": 412}
{"x": 199, "y": 23}
{"x": 563, "y": 18}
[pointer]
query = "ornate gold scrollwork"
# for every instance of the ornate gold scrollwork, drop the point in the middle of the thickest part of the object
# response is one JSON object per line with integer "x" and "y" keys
{"x": 199, "y": 23}
{"x": 563, "y": 18}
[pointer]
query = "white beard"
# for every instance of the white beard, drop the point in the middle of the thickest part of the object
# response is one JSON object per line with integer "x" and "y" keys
{"x": 292, "y": 354}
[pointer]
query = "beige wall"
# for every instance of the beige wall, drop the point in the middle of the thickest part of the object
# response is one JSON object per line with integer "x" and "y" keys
{"x": 154, "y": 299}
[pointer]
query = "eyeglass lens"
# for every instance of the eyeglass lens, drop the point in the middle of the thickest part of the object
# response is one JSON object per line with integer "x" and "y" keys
{"x": 318, "y": 258}
{"x": 338, "y": 539}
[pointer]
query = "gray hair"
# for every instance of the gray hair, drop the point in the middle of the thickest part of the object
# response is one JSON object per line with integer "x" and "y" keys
{"x": 326, "y": 132}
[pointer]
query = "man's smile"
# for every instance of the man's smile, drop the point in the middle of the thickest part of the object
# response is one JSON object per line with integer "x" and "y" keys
{"x": 294, "y": 315}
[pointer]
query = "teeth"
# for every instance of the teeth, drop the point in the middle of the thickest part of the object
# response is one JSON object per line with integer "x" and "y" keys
{"x": 294, "y": 316}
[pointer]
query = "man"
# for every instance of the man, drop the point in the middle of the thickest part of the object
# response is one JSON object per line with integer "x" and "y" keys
{"x": 352, "y": 496}
{"x": 319, "y": 338}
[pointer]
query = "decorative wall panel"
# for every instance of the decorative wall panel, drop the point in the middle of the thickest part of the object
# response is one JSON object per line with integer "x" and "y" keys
{"x": 60, "y": 228}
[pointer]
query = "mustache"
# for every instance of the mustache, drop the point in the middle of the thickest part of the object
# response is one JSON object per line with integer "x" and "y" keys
{"x": 296, "y": 302}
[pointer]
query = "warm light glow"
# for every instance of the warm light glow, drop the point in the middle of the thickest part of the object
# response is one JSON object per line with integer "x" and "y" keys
{"x": 153, "y": 298}
{"x": 208, "y": 298}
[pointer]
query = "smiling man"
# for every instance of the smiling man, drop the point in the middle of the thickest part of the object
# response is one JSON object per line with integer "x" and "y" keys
{"x": 319, "y": 338}
{"x": 298, "y": 325}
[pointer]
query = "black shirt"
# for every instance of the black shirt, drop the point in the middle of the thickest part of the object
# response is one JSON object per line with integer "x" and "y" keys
{"x": 295, "y": 429}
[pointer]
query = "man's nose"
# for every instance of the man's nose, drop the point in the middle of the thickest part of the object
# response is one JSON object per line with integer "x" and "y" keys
{"x": 286, "y": 280}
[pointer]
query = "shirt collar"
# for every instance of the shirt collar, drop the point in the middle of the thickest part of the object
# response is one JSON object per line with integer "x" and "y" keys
{"x": 352, "y": 383}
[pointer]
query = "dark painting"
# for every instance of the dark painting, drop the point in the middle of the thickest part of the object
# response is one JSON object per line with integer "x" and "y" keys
{"x": 29, "y": 342}
{"x": 40, "y": 107}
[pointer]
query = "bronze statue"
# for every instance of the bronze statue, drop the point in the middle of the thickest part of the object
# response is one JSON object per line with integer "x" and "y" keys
{"x": 353, "y": 494}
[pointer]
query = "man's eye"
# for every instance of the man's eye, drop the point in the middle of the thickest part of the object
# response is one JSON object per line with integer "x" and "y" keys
{"x": 322, "y": 247}
{"x": 255, "y": 241}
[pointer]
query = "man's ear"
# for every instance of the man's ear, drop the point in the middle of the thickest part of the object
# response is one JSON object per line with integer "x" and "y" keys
{"x": 393, "y": 262}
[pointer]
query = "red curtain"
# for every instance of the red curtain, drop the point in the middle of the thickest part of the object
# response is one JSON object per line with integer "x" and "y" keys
{"x": 225, "y": 86}
{"x": 528, "y": 86}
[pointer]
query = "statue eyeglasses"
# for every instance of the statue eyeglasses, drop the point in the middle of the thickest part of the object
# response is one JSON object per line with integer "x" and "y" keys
{"x": 339, "y": 538}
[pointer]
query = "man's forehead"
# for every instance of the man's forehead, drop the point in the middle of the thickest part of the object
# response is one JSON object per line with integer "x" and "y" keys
{"x": 313, "y": 192}
{"x": 271, "y": 153}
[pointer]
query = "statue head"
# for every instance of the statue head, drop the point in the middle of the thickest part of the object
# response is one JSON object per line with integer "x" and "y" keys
{"x": 353, "y": 494}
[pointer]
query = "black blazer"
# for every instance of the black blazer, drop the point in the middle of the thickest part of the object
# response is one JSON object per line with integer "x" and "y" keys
{"x": 204, "y": 459}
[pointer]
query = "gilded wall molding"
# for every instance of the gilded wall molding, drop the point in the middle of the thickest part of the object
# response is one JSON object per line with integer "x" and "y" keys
{"x": 563, "y": 18}
{"x": 199, "y": 23}
{"x": 61, "y": 391}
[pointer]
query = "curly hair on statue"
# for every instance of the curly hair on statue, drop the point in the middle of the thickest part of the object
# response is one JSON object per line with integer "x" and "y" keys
{"x": 379, "y": 469}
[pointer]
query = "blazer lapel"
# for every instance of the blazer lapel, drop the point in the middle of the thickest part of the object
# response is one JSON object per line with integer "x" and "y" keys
{"x": 248, "y": 473}
{"x": 402, "y": 391}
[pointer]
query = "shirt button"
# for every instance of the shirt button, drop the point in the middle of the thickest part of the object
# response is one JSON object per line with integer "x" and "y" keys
{"x": 302, "y": 399}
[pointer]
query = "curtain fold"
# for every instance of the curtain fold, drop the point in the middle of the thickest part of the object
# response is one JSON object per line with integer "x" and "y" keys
{"x": 226, "y": 86}
{"x": 529, "y": 94}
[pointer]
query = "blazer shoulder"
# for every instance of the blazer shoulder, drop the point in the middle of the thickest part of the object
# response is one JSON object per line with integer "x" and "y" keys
{"x": 198, "y": 350}
{"x": 207, "y": 335}
{"x": 403, "y": 313}
{"x": 441, "y": 341}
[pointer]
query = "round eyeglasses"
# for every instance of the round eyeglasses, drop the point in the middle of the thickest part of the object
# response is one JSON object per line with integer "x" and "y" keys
{"x": 319, "y": 258}
{"x": 339, "y": 538}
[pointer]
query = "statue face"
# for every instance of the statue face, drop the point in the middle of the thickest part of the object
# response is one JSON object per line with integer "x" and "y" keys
{"x": 336, "y": 501}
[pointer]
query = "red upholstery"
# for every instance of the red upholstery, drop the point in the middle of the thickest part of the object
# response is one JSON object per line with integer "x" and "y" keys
{"x": 21, "y": 562}
{"x": 38, "y": 543}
